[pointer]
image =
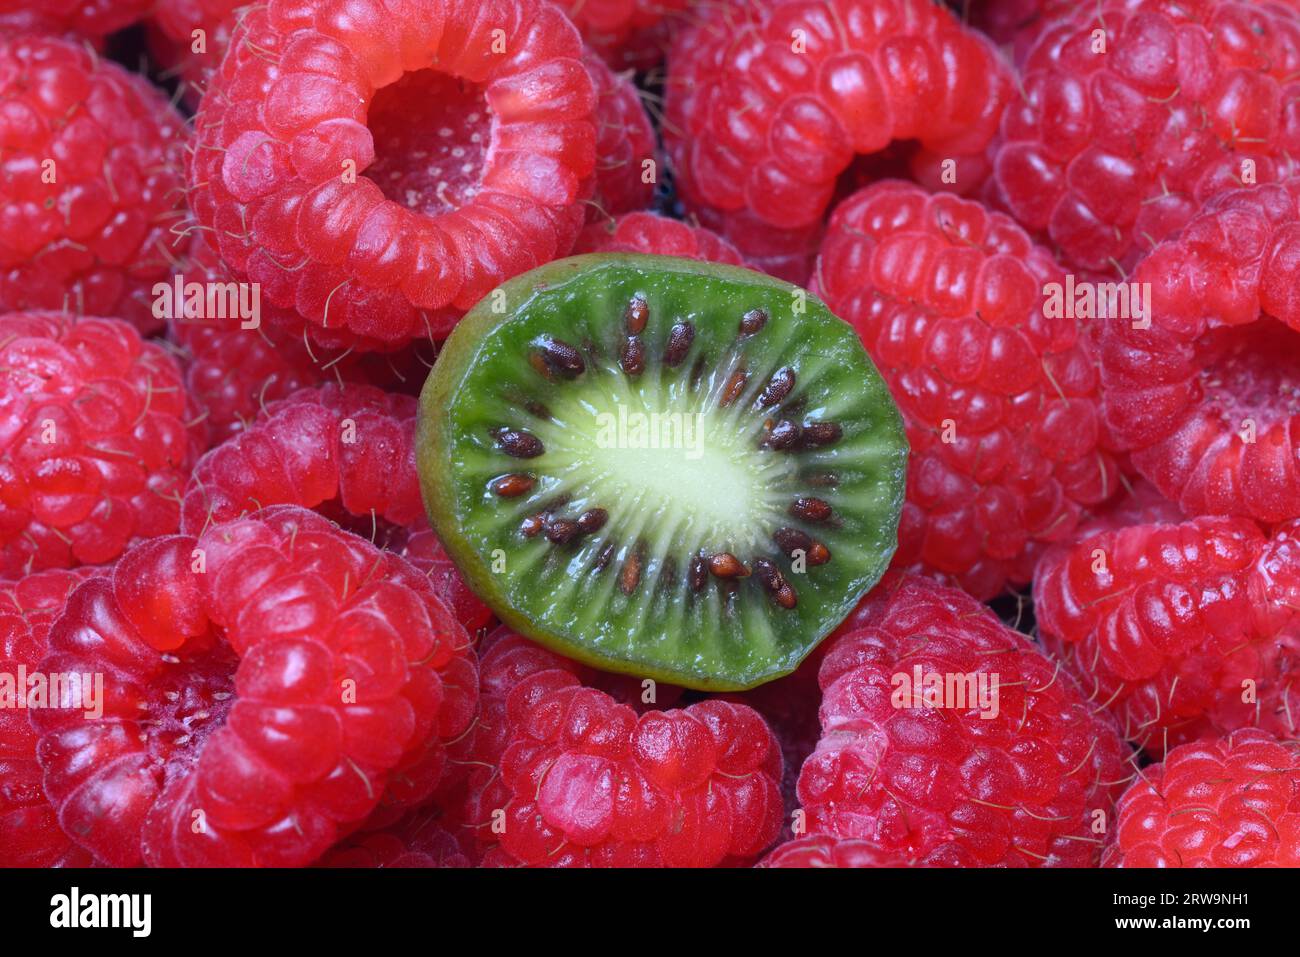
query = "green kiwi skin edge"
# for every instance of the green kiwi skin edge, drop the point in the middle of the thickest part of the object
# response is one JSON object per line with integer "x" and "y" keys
{"x": 436, "y": 434}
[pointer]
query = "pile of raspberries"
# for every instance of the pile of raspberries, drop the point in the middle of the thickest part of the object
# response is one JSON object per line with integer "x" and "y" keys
{"x": 1068, "y": 234}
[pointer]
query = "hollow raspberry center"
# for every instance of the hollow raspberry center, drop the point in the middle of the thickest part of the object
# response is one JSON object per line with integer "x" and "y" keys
{"x": 190, "y": 700}
{"x": 1251, "y": 372}
{"x": 431, "y": 134}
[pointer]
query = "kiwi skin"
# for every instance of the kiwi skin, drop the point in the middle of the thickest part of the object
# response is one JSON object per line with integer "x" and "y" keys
{"x": 434, "y": 452}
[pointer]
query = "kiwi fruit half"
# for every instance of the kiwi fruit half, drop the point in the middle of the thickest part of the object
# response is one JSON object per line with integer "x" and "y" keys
{"x": 679, "y": 470}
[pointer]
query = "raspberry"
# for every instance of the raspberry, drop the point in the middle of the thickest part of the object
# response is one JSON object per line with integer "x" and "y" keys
{"x": 658, "y": 235}
{"x": 1206, "y": 397}
{"x": 506, "y": 123}
{"x": 418, "y": 840}
{"x": 624, "y": 141}
{"x": 1230, "y": 802}
{"x": 423, "y": 550}
{"x": 173, "y": 39}
{"x": 350, "y": 445}
{"x": 93, "y": 443}
{"x": 627, "y": 33}
{"x": 264, "y": 683}
{"x": 95, "y": 19}
{"x": 823, "y": 850}
{"x": 477, "y": 798}
{"x": 30, "y": 835}
{"x": 90, "y": 182}
{"x": 1110, "y": 152}
{"x": 1001, "y": 403}
{"x": 592, "y": 785}
{"x": 956, "y": 785}
{"x": 770, "y": 101}
{"x": 1183, "y": 631}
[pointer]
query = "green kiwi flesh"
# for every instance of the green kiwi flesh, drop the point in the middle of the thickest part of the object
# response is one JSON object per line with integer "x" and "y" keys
{"x": 679, "y": 470}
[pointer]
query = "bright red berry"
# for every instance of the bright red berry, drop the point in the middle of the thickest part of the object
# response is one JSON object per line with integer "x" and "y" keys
{"x": 769, "y": 103}
{"x": 1205, "y": 393}
{"x": 1000, "y": 402}
{"x": 376, "y": 194}
{"x": 418, "y": 840}
{"x": 91, "y": 18}
{"x": 423, "y": 550}
{"x": 94, "y": 448}
{"x": 1135, "y": 112}
{"x": 1183, "y": 631}
{"x": 1005, "y": 763}
{"x": 30, "y": 835}
{"x": 657, "y": 235}
{"x": 824, "y": 850}
{"x": 1228, "y": 802}
{"x": 90, "y": 182}
{"x": 351, "y": 446}
{"x": 627, "y": 33}
{"x": 264, "y": 685}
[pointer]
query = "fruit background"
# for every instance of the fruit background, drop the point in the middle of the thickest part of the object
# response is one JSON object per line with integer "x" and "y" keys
{"x": 1103, "y": 494}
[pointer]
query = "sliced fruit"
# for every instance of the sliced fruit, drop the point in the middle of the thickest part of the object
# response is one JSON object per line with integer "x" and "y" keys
{"x": 680, "y": 470}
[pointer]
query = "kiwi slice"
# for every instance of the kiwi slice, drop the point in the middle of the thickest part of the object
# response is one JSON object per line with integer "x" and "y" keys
{"x": 679, "y": 470}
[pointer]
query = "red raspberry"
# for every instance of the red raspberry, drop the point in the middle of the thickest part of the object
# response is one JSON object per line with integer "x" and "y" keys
{"x": 91, "y": 18}
{"x": 467, "y": 174}
{"x": 627, "y": 33}
{"x": 418, "y": 840}
{"x": 823, "y": 850}
{"x": 625, "y": 139}
{"x": 94, "y": 449}
{"x": 260, "y": 694}
{"x": 90, "y": 182}
{"x": 769, "y": 102}
{"x": 350, "y": 445}
{"x": 658, "y": 235}
{"x": 30, "y": 835}
{"x": 951, "y": 785}
{"x": 423, "y": 550}
{"x": 173, "y": 39}
{"x": 476, "y": 798}
{"x": 593, "y": 785}
{"x": 1207, "y": 396}
{"x": 1110, "y": 152}
{"x": 1231, "y": 802}
{"x": 1001, "y": 403}
{"x": 1183, "y": 631}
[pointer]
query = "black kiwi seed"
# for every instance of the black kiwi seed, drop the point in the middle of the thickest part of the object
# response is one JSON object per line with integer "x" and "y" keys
{"x": 632, "y": 360}
{"x": 562, "y": 358}
{"x": 811, "y": 509}
{"x": 630, "y": 576}
{"x": 774, "y": 583}
{"x": 698, "y": 574}
{"x": 637, "y": 315}
{"x": 790, "y": 540}
{"x": 816, "y": 434}
{"x": 592, "y": 520}
{"x": 562, "y": 530}
{"x": 752, "y": 321}
{"x": 777, "y": 388}
{"x": 783, "y": 435}
{"x": 513, "y": 485}
{"x": 518, "y": 443}
{"x": 727, "y": 565}
{"x": 680, "y": 338}
{"x": 735, "y": 386}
